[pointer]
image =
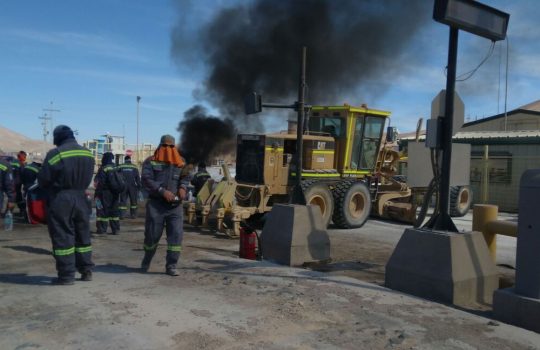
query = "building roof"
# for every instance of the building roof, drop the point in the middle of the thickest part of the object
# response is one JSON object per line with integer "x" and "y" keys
{"x": 492, "y": 137}
{"x": 532, "y": 108}
{"x": 497, "y": 135}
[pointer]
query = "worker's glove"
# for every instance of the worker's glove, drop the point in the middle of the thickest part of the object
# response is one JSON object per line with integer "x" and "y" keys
{"x": 10, "y": 206}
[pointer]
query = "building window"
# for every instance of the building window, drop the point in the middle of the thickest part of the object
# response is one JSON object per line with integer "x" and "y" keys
{"x": 499, "y": 167}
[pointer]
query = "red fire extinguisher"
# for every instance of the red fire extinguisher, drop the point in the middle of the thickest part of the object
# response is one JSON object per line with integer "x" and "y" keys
{"x": 248, "y": 243}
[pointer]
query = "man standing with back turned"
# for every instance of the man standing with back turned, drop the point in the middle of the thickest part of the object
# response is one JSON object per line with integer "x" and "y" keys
{"x": 133, "y": 184}
{"x": 66, "y": 173}
{"x": 199, "y": 179}
{"x": 6, "y": 185}
{"x": 161, "y": 176}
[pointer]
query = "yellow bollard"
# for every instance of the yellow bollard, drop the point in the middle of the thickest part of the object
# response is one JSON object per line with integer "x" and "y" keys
{"x": 482, "y": 215}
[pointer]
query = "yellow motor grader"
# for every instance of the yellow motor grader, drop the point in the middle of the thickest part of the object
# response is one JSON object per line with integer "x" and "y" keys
{"x": 347, "y": 172}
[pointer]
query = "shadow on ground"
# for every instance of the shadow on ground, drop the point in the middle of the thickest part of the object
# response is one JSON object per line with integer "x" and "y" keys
{"x": 23, "y": 278}
{"x": 29, "y": 249}
{"x": 117, "y": 268}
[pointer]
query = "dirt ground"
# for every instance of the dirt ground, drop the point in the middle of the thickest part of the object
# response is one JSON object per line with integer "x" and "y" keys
{"x": 222, "y": 302}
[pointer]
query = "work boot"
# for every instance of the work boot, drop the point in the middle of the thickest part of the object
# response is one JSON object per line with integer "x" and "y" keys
{"x": 172, "y": 272}
{"x": 86, "y": 276}
{"x": 145, "y": 264}
{"x": 62, "y": 281}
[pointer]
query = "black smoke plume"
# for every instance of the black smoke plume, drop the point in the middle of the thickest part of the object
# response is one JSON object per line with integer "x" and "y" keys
{"x": 255, "y": 46}
{"x": 204, "y": 135}
{"x": 353, "y": 45}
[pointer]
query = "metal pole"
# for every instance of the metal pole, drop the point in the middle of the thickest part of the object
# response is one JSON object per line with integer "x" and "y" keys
{"x": 485, "y": 175}
{"x": 443, "y": 221}
{"x": 298, "y": 195}
{"x": 138, "y": 154}
{"x": 50, "y": 118}
{"x": 506, "y": 87}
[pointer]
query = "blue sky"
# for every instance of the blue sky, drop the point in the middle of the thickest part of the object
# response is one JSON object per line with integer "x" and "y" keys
{"x": 92, "y": 58}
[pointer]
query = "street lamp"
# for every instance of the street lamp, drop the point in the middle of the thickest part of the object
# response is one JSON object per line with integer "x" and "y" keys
{"x": 253, "y": 104}
{"x": 478, "y": 19}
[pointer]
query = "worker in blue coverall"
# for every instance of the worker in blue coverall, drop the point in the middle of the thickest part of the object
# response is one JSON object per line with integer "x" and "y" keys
{"x": 66, "y": 174}
{"x": 7, "y": 186}
{"x": 162, "y": 178}
{"x": 30, "y": 172}
{"x": 133, "y": 184}
{"x": 200, "y": 177}
{"x": 107, "y": 201}
{"x": 19, "y": 165}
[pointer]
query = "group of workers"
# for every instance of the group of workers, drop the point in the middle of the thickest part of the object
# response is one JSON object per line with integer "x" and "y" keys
{"x": 65, "y": 174}
{"x": 16, "y": 178}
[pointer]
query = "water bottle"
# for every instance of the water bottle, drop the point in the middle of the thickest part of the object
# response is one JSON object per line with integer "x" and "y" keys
{"x": 190, "y": 197}
{"x": 99, "y": 205}
{"x": 8, "y": 221}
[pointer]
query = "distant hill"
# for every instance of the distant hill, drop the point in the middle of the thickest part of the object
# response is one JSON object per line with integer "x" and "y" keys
{"x": 12, "y": 142}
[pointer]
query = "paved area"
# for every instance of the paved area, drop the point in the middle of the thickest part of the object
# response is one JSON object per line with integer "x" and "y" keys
{"x": 222, "y": 302}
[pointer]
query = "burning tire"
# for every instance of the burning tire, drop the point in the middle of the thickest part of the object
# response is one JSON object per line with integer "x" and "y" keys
{"x": 352, "y": 204}
{"x": 460, "y": 200}
{"x": 318, "y": 194}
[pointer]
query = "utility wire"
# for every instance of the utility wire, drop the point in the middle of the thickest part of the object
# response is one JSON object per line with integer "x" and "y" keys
{"x": 469, "y": 74}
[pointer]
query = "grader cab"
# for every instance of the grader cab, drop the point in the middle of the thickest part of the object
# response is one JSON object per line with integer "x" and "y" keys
{"x": 347, "y": 172}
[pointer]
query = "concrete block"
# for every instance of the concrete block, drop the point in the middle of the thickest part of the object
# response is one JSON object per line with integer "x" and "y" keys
{"x": 516, "y": 309}
{"x": 454, "y": 268}
{"x": 295, "y": 234}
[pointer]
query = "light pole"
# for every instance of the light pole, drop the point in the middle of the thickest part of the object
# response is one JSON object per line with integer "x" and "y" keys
{"x": 478, "y": 19}
{"x": 138, "y": 102}
{"x": 50, "y": 110}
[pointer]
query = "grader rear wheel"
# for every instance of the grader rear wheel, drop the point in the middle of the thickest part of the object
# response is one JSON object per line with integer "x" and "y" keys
{"x": 353, "y": 204}
{"x": 318, "y": 194}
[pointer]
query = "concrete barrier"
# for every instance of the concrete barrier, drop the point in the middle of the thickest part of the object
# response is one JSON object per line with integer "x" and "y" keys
{"x": 520, "y": 305}
{"x": 294, "y": 235}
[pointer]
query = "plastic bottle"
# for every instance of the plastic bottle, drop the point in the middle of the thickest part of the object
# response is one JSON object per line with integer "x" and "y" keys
{"x": 99, "y": 205}
{"x": 8, "y": 221}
